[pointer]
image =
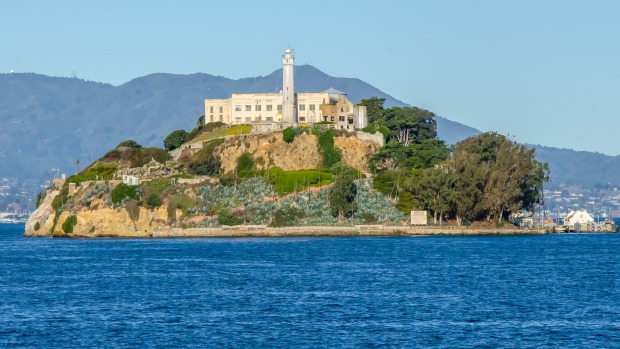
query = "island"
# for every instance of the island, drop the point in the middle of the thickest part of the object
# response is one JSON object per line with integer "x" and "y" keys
{"x": 298, "y": 164}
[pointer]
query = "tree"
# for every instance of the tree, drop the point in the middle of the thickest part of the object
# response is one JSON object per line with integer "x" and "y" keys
{"x": 432, "y": 189}
{"x": 500, "y": 175}
{"x": 175, "y": 139}
{"x": 209, "y": 165}
{"x": 342, "y": 193}
{"x": 289, "y": 134}
{"x": 374, "y": 108}
{"x": 129, "y": 144}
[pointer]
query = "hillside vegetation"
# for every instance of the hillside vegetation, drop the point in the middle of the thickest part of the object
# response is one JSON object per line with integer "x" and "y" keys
{"x": 224, "y": 175}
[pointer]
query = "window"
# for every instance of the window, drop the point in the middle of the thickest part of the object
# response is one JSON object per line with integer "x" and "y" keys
{"x": 221, "y": 109}
{"x": 269, "y": 107}
{"x": 258, "y": 118}
{"x": 237, "y": 108}
{"x": 248, "y": 119}
{"x": 221, "y": 118}
{"x": 332, "y": 119}
{"x": 341, "y": 109}
{"x": 211, "y": 118}
{"x": 248, "y": 107}
{"x": 311, "y": 106}
{"x": 302, "y": 107}
{"x": 302, "y": 119}
{"x": 341, "y": 118}
{"x": 257, "y": 107}
{"x": 238, "y": 119}
{"x": 211, "y": 109}
{"x": 269, "y": 118}
{"x": 279, "y": 107}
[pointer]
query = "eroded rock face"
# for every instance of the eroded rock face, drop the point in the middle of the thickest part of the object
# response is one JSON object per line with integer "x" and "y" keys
{"x": 98, "y": 219}
{"x": 98, "y": 222}
{"x": 356, "y": 152}
{"x": 271, "y": 150}
{"x": 43, "y": 215}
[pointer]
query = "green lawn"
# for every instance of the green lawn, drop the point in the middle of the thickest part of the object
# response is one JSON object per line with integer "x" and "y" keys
{"x": 286, "y": 182}
{"x": 222, "y": 132}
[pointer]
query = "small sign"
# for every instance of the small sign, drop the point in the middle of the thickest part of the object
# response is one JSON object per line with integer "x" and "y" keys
{"x": 418, "y": 217}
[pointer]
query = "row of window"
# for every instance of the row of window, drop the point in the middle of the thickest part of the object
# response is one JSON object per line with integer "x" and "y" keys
{"x": 341, "y": 118}
{"x": 302, "y": 107}
{"x": 258, "y": 107}
{"x": 249, "y": 119}
{"x": 268, "y": 107}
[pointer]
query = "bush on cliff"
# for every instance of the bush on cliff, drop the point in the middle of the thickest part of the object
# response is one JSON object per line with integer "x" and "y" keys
{"x": 69, "y": 223}
{"x": 331, "y": 155}
{"x": 122, "y": 192}
{"x": 153, "y": 201}
{"x": 208, "y": 166}
{"x": 289, "y": 134}
{"x": 245, "y": 164}
{"x": 129, "y": 144}
{"x": 175, "y": 139}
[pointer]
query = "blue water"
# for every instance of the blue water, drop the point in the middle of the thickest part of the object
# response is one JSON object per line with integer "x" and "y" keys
{"x": 516, "y": 292}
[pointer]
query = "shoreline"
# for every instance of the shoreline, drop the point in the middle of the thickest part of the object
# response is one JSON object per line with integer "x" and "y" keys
{"x": 244, "y": 231}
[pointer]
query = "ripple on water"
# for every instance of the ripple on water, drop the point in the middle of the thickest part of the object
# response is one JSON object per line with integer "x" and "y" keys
{"x": 540, "y": 291}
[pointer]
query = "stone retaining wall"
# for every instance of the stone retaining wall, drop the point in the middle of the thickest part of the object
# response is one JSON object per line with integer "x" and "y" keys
{"x": 359, "y": 230}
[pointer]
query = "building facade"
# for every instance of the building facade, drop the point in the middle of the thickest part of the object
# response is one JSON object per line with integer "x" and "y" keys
{"x": 270, "y": 111}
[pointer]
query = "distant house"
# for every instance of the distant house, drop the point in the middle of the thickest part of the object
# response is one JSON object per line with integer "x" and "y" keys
{"x": 131, "y": 180}
{"x": 580, "y": 217}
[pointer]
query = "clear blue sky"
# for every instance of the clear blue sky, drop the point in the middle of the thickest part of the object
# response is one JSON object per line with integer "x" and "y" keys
{"x": 545, "y": 72}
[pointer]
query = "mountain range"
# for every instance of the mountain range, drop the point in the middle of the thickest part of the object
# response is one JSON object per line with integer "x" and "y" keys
{"x": 66, "y": 123}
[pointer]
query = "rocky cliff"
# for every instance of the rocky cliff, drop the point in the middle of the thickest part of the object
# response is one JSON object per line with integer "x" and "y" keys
{"x": 85, "y": 208}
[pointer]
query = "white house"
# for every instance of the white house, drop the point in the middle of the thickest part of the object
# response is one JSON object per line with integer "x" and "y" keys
{"x": 581, "y": 217}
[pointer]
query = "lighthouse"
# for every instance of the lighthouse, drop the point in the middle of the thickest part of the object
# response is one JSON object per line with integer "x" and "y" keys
{"x": 289, "y": 114}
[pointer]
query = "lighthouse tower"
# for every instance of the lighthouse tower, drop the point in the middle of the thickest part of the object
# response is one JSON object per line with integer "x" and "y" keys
{"x": 289, "y": 114}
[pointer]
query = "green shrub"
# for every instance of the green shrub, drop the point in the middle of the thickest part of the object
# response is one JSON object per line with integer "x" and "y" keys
{"x": 129, "y": 144}
{"x": 384, "y": 131}
{"x": 225, "y": 217}
{"x": 208, "y": 166}
{"x": 330, "y": 154}
{"x": 286, "y": 217}
{"x": 37, "y": 226}
{"x": 175, "y": 139}
{"x": 122, "y": 192}
{"x": 153, "y": 201}
{"x": 370, "y": 129}
{"x": 40, "y": 197}
{"x": 245, "y": 163}
{"x": 342, "y": 193}
{"x": 289, "y": 134}
{"x": 69, "y": 223}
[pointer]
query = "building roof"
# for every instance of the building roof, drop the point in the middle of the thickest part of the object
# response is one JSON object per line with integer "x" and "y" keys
{"x": 333, "y": 91}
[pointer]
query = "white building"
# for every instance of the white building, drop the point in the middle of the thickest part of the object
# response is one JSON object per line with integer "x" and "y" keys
{"x": 580, "y": 217}
{"x": 278, "y": 110}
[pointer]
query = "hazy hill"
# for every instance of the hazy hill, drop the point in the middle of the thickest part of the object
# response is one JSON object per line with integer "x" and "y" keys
{"x": 50, "y": 122}
{"x": 579, "y": 167}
